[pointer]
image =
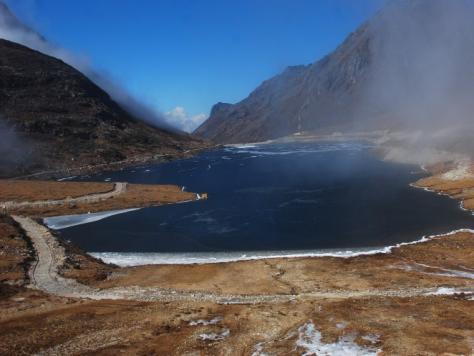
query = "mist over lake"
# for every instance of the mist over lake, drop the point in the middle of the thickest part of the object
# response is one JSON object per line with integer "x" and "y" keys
{"x": 274, "y": 197}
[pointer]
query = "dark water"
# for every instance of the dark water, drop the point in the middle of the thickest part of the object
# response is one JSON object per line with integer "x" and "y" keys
{"x": 277, "y": 197}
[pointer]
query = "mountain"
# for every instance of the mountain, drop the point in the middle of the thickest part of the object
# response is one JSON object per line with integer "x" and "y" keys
{"x": 57, "y": 113}
{"x": 407, "y": 68}
{"x": 302, "y": 98}
{"x": 12, "y": 29}
{"x": 54, "y": 117}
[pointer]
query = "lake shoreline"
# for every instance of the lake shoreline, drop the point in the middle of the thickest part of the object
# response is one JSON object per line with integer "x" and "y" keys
{"x": 234, "y": 301}
{"x": 261, "y": 212}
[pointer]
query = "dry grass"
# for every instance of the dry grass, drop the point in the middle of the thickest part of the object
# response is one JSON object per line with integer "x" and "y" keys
{"x": 17, "y": 190}
{"x": 15, "y": 253}
{"x": 442, "y": 185}
{"x": 136, "y": 196}
{"x": 425, "y": 325}
{"x": 32, "y": 321}
{"x": 461, "y": 189}
{"x": 306, "y": 275}
{"x": 414, "y": 326}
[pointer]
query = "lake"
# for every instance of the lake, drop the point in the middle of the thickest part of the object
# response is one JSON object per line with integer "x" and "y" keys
{"x": 272, "y": 199}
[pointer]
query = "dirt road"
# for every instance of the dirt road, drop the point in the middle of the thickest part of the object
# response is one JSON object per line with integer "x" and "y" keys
{"x": 119, "y": 188}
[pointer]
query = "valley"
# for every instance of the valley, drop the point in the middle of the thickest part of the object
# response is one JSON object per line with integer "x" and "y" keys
{"x": 202, "y": 307}
{"x": 328, "y": 211}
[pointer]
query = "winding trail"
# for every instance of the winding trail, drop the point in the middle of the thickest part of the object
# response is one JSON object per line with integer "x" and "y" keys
{"x": 119, "y": 188}
{"x": 50, "y": 255}
{"x": 44, "y": 275}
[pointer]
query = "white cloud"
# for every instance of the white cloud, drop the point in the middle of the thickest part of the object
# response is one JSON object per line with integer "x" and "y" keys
{"x": 178, "y": 117}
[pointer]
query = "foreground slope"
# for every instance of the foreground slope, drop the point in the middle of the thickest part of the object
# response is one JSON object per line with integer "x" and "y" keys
{"x": 410, "y": 301}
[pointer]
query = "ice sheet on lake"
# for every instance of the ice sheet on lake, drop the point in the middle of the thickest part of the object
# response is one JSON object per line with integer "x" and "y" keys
{"x": 147, "y": 258}
{"x": 263, "y": 149}
{"x": 66, "y": 178}
{"x": 64, "y": 221}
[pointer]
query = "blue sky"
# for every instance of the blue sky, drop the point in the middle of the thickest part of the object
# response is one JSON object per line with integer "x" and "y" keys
{"x": 190, "y": 53}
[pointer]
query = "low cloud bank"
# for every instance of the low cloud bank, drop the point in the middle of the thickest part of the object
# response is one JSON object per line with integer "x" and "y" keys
{"x": 15, "y": 153}
{"x": 182, "y": 119}
{"x": 421, "y": 72}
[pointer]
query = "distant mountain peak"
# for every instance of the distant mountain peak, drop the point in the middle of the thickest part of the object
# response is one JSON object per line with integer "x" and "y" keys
{"x": 409, "y": 67}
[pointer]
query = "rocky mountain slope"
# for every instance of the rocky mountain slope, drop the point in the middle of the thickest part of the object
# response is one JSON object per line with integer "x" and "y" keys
{"x": 52, "y": 117}
{"x": 57, "y": 113}
{"x": 310, "y": 97}
{"x": 407, "y": 67}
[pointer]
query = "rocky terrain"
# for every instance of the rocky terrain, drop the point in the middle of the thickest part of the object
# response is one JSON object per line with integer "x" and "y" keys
{"x": 411, "y": 299}
{"x": 404, "y": 69}
{"x": 53, "y": 117}
{"x": 316, "y": 97}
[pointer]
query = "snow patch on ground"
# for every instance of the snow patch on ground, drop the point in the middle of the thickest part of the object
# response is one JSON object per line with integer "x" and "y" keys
{"x": 372, "y": 338}
{"x": 450, "y": 291}
{"x": 436, "y": 271}
{"x": 454, "y": 273}
{"x": 462, "y": 171}
{"x": 203, "y": 322}
{"x": 444, "y": 291}
{"x": 258, "y": 350}
{"x": 215, "y": 336}
{"x": 309, "y": 339}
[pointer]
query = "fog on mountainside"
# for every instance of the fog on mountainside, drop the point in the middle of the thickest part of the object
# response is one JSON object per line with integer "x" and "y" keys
{"x": 422, "y": 69}
{"x": 421, "y": 75}
{"x": 409, "y": 69}
{"x": 54, "y": 118}
{"x": 14, "y": 30}
{"x": 15, "y": 153}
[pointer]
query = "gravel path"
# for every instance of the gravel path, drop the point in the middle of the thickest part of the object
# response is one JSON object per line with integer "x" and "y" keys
{"x": 44, "y": 275}
{"x": 119, "y": 188}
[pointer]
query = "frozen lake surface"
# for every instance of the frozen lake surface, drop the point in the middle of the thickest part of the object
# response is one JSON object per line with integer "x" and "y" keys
{"x": 269, "y": 199}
